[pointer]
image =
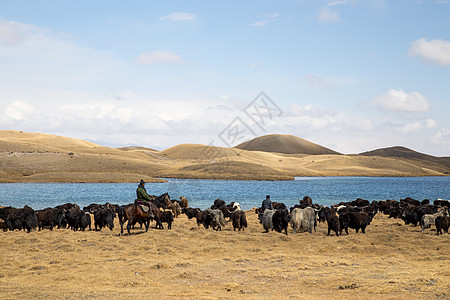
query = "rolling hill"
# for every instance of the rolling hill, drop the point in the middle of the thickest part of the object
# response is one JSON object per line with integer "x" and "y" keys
{"x": 397, "y": 151}
{"x": 406, "y": 153}
{"x": 286, "y": 144}
{"x": 37, "y": 157}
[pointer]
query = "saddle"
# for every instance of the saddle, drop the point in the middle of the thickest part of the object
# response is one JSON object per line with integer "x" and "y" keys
{"x": 145, "y": 208}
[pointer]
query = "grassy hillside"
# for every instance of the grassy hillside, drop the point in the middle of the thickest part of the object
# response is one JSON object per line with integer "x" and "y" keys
{"x": 287, "y": 144}
{"x": 425, "y": 160}
{"x": 36, "y": 157}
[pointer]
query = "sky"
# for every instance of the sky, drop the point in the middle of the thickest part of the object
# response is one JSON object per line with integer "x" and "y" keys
{"x": 350, "y": 75}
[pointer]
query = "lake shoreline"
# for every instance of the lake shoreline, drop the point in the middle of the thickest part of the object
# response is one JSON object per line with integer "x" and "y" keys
{"x": 119, "y": 178}
{"x": 201, "y": 193}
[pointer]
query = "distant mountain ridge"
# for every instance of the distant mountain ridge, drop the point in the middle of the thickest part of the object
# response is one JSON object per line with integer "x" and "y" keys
{"x": 37, "y": 157}
{"x": 406, "y": 153}
{"x": 397, "y": 151}
{"x": 286, "y": 144}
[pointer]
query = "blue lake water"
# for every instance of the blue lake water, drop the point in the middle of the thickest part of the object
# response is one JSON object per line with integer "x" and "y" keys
{"x": 202, "y": 193}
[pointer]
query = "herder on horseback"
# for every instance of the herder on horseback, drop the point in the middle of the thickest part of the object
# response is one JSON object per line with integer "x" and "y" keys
{"x": 139, "y": 210}
{"x": 142, "y": 195}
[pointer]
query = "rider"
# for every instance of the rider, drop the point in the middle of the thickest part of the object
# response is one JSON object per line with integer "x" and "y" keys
{"x": 141, "y": 193}
{"x": 266, "y": 204}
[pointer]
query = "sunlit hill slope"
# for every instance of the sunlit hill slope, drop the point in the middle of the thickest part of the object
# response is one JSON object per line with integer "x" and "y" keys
{"x": 37, "y": 157}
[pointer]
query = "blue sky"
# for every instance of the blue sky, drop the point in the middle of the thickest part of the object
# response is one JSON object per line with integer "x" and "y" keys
{"x": 352, "y": 75}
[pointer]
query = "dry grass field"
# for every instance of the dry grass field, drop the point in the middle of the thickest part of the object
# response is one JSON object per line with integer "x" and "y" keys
{"x": 36, "y": 157}
{"x": 390, "y": 261}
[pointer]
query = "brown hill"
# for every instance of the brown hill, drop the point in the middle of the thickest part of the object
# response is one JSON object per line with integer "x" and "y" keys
{"x": 197, "y": 151}
{"x": 397, "y": 151}
{"x": 131, "y": 148}
{"x": 282, "y": 143}
{"x": 25, "y": 142}
{"x": 36, "y": 157}
{"x": 406, "y": 153}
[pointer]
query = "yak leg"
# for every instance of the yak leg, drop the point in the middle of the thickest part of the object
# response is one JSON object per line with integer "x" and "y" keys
{"x": 121, "y": 226}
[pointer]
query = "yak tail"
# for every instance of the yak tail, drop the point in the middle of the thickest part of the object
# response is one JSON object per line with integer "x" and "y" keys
{"x": 244, "y": 220}
{"x": 222, "y": 219}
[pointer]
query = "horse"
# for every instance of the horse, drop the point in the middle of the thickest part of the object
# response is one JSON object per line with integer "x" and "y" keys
{"x": 162, "y": 201}
{"x": 133, "y": 212}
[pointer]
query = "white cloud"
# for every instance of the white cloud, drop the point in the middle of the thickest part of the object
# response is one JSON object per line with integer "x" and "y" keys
{"x": 424, "y": 126}
{"x": 309, "y": 118}
{"x": 261, "y": 23}
{"x": 48, "y": 64}
{"x": 179, "y": 16}
{"x": 363, "y": 124}
{"x": 19, "y": 111}
{"x": 123, "y": 114}
{"x": 267, "y": 19}
{"x": 377, "y": 5}
{"x": 12, "y": 33}
{"x": 147, "y": 123}
{"x": 151, "y": 124}
{"x": 435, "y": 51}
{"x": 400, "y": 101}
{"x": 328, "y": 15}
{"x": 410, "y": 128}
{"x": 254, "y": 65}
{"x": 339, "y": 2}
{"x": 159, "y": 56}
{"x": 430, "y": 124}
{"x": 442, "y": 138}
{"x": 319, "y": 82}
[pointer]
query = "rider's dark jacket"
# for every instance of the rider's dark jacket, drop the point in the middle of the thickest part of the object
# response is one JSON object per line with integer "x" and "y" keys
{"x": 266, "y": 204}
{"x": 142, "y": 195}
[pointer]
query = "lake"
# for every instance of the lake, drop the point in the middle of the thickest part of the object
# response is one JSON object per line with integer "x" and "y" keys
{"x": 202, "y": 193}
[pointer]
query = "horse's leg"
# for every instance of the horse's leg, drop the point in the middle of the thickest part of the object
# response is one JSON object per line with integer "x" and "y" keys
{"x": 147, "y": 224}
{"x": 130, "y": 221}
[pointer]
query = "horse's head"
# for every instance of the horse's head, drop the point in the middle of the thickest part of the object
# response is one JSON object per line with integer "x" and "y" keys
{"x": 166, "y": 201}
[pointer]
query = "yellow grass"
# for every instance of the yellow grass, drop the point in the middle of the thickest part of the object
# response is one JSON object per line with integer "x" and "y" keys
{"x": 390, "y": 261}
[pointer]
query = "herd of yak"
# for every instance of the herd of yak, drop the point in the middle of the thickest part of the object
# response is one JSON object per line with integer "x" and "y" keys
{"x": 356, "y": 215}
